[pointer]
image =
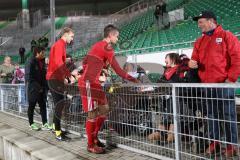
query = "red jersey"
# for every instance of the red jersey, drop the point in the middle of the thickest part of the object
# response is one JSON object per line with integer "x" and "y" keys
{"x": 91, "y": 91}
{"x": 98, "y": 57}
{"x": 57, "y": 68}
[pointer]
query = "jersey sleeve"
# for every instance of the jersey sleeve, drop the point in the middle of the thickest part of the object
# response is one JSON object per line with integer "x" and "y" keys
{"x": 114, "y": 64}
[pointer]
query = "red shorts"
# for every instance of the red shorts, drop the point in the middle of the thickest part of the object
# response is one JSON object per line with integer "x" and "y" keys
{"x": 92, "y": 95}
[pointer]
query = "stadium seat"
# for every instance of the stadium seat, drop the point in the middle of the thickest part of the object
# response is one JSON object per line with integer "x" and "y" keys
{"x": 142, "y": 33}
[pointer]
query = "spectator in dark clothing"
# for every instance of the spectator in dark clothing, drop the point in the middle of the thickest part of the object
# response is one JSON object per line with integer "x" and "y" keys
{"x": 43, "y": 41}
{"x": 190, "y": 75}
{"x": 36, "y": 83}
{"x": 33, "y": 44}
{"x": 170, "y": 75}
{"x": 163, "y": 6}
{"x": 176, "y": 71}
{"x": 21, "y": 54}
{"x": 160, "y": 9}
{"x": 159, "y": 13}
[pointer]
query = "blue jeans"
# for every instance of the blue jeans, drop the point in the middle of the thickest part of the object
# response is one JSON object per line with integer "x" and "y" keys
{"x": 22, "y": 94}
{"x": 221, "y": 108}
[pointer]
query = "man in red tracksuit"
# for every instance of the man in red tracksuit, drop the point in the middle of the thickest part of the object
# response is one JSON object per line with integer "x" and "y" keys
{"x": 216, "y": 54}
{"x": 93, "y": 98}
{"x": 56, "y": 75}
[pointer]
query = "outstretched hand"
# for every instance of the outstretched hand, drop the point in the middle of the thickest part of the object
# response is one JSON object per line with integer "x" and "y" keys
{"x": 192, "y": 64}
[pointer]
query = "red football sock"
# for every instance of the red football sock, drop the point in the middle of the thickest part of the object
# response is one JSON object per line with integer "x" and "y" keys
{"x": 90, "y": 128}
{"x": 99, "y": 122}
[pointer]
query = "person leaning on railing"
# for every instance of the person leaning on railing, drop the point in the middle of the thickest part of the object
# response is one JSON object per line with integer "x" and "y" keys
{"x": 94, "y": 100}
{"x": 170, "y": 75}
{"x": 176, "y": 71}
{"x": 216, "y": 54}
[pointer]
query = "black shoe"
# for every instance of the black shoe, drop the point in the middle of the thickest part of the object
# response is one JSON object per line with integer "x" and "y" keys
{"x": 100, "y": 144}
{"x": 65, "y": 133}
{"x": 62, "y": 137}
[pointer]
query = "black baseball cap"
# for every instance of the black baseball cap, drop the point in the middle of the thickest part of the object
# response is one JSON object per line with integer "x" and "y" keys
{"x": 205, "y": 14}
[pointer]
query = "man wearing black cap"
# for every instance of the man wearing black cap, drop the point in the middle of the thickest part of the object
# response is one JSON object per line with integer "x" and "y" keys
{"x": 216, "y": 54}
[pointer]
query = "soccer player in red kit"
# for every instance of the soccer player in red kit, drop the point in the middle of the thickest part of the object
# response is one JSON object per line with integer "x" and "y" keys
{"x": 56, "y": 75}
{"x": 93, "y": 97}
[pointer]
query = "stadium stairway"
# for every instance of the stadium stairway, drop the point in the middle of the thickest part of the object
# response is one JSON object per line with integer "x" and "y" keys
{"x": 25, "y": 36}
{"x": 18, "y": 142}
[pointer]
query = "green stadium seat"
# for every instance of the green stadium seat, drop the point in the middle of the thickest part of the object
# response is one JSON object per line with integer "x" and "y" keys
{"x": 154, "y": 77}
{"x": 143, "y": 34}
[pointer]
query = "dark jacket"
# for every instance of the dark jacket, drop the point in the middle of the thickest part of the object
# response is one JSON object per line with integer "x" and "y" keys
{"x": 180, "y": 75}
{"x": 35, "y": 78}
{"x": 160, "y": 9}
{"x": 21, "y": 51}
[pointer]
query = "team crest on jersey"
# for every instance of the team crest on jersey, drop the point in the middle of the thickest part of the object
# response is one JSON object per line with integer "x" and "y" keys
{"x": 218, "y": 40}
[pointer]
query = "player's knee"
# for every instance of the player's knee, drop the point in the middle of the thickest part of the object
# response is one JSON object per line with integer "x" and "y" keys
{"x": 92, "y": 114}
{"x": 104, "y": 110}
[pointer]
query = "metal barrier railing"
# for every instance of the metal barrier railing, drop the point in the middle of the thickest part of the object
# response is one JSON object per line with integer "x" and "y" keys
{"x": 165, "y": 121}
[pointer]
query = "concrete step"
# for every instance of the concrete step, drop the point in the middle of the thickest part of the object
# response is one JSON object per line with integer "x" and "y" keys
{"x": 35, "y": 145}
{"x": 16, "y": 145}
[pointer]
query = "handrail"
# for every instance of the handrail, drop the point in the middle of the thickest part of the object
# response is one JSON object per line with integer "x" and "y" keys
{"x": 8, "y": 38}
{"x": 134, "y": 4}
{"x": 131, "y": 12}
{"x": 126, "y": 8}
{"x": 158, "y": 46}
